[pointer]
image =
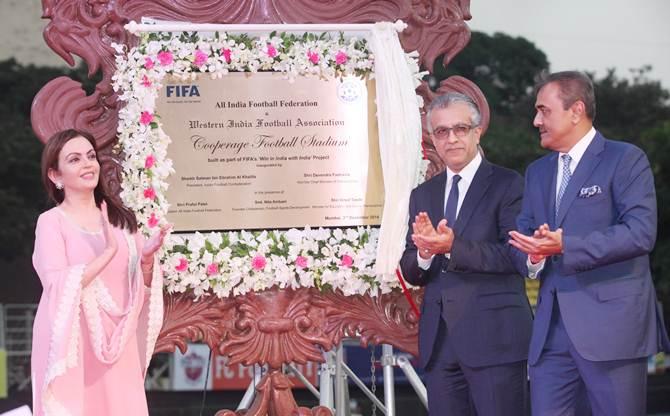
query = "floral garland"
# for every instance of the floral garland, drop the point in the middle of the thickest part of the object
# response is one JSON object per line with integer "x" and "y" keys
{"x": 236, "y": 262}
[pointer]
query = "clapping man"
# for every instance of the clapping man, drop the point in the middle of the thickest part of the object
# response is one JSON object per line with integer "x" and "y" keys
{"x": 587, "y": 225}
{"x": 476, "y": 321}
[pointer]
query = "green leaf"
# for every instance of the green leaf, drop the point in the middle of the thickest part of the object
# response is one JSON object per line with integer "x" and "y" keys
{"x": 364, "y": 238}
{"x": 183, "y": 249}
{"x": 240, "y": 250}
{"x": 326, "y": 287}
{"x": 210, "y": 247}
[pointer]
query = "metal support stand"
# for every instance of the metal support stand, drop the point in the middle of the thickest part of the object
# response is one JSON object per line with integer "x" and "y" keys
{"x": 291, "y": 368}
{"x": 364, "y": 388}
{"x": 334, "y": 376}
{"x": 341, "y": 386}
{"x": 413, "y": 379}
{"x": 388, "y": 362}
{"x": 326, "y": 380}
{"x": 250, "y": 393}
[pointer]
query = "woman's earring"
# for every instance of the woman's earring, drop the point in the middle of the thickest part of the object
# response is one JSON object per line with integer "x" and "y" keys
{"x": 59, "y": 186}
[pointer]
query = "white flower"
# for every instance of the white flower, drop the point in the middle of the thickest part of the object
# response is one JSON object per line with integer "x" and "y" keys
{"x": 215, "y": 239}
{"x": 137, "y": 84}
{"x": 351, "y": 235}
{"x": 207, "y": 258}
{"x": 223, "y": 255}
{"x": 196, "y": 243}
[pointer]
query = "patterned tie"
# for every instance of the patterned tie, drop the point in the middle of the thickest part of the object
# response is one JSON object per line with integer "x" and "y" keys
{"x": 452, "y": 202}
{"x": 564, "y": 181}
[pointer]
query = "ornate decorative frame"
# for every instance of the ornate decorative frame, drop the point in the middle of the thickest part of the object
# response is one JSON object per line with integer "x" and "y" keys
{"x": 276, "y": 326}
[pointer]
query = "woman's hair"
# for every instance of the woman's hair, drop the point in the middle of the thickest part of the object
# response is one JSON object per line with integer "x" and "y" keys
{"x": 119, "y": 216}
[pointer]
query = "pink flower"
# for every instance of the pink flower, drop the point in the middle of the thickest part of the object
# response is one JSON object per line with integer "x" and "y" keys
{"x": 149, "y": 162}
{"x": 341, "y": 58}
{"x": 145, "y": 81}
{"x": 346, "y": 261}
{"x": 258, "y": 262}
{"x": 212, "y": 269}
{"x": 148, "y": 63}
{"x": 301, "y": 262}
{"x": 149, "y": 193}
{"x": 272, "y": 51}
{"x": 226, "y": 54}
{"x": 153, "y": 221}
{"x": 200, "y": 58}
{"x": 146, "y": 118}
{"x": 182, "y": 266}
{"x": 313, "y": 57}
{"x": 165, "y": 58}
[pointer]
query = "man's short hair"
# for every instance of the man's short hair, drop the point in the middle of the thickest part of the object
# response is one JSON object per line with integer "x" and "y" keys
{"x": 445, "y": 100}
{"x": 573, "y": 86}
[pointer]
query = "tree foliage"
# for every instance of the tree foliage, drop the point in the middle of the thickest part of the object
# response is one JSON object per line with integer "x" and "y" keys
{"x": 21, "y": 193}
{"x": 504, "y": 68}
{"x": 628, "y": 107}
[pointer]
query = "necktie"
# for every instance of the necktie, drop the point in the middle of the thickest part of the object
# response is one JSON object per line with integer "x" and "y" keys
{"x": 564, "y": 180}
{"x": 452, "y": 202}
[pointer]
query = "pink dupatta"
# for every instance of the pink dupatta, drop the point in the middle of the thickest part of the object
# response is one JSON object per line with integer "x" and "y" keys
{"x": 58, "y": 385}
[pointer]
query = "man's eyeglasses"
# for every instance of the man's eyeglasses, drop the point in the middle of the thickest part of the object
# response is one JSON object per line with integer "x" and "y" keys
{"x": 459, "y": 130}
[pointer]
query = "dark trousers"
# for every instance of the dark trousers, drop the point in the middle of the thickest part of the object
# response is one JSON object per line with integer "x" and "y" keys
{"x": 562, "y": 380}
{"x": 455, "y": 389}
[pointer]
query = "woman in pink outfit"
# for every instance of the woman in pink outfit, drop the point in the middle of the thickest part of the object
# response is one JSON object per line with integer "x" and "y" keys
{"x": 101, "y": 306}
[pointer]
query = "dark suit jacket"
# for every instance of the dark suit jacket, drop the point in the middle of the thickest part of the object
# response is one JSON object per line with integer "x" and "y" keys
{"x": 602, "y": 281}
{"x": 478, "y": 292}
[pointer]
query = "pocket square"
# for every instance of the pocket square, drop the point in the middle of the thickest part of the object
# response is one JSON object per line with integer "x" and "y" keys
{"x": 589, "y": 191}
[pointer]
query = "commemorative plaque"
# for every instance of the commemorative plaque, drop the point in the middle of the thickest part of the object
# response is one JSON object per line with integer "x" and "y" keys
{"x": 257, "y": 151}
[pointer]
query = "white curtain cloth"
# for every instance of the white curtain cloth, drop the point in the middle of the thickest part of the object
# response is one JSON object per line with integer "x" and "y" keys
{"x": 399, "y": 141}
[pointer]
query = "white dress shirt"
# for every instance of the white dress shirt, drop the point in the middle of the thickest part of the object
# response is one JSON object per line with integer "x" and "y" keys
{"x": 576, "y": 154}
{"x": 467, "y": 174}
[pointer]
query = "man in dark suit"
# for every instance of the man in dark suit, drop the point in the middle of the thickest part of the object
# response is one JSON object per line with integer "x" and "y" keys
{"x": 587, "y": 225}
{"x": 475, "y": 321}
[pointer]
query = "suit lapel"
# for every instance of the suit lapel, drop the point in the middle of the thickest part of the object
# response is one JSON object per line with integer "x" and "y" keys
{"x": 478, "y": 188}
{"x": 436, "y": 195}
{"x": 589, "y": 161}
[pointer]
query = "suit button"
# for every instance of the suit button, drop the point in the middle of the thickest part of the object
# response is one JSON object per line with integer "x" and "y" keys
{"x": 439, "y": 301}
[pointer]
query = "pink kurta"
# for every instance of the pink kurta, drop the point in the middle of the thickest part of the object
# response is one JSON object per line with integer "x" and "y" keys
{"x": 92, "y": 345}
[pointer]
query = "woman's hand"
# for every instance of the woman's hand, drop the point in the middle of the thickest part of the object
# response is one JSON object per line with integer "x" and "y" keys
{"x": 112, "y": 244}
{"x": 154, "y": 243}
{"x": 150, "y": 248}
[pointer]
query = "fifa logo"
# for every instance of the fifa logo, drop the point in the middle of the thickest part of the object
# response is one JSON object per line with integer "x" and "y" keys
{"x": 182, "y": 91}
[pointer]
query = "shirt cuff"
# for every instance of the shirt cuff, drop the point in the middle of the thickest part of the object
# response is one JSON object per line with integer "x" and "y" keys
{"x": 424, "y": 264}
{"x": 534, "y": 269}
